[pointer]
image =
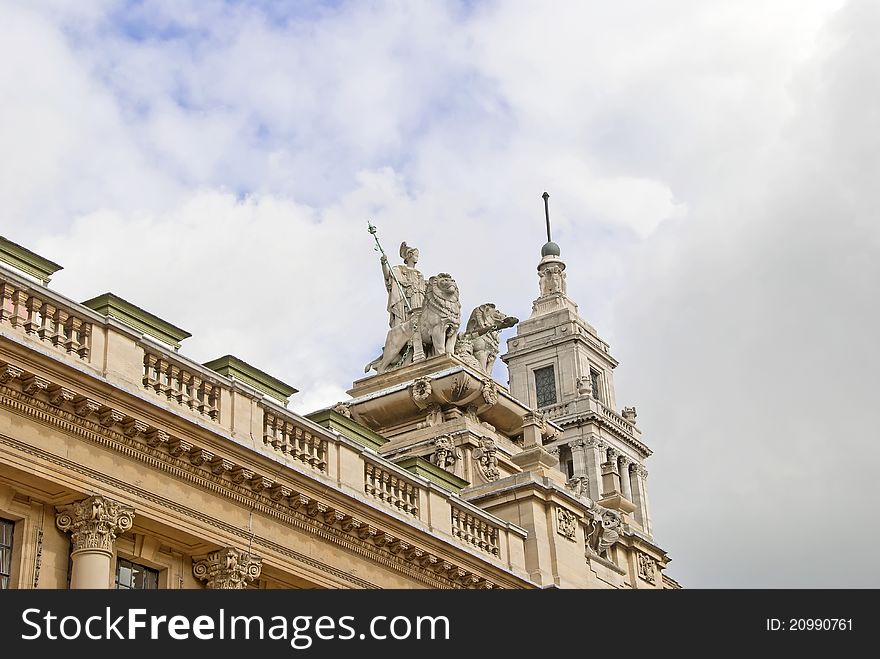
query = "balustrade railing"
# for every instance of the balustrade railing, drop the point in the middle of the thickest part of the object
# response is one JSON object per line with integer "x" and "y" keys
{"x": 38, "y": 316}
{"x": 187, "y": 387}
{"x": 475, "y": 531}
{"x": 285, "y": 435}
{"x": 391, "y": 489}
{"x": 617, "y": 420}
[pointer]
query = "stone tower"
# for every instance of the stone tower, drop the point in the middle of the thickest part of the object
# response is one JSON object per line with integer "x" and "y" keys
{"x": 560, "y": 366}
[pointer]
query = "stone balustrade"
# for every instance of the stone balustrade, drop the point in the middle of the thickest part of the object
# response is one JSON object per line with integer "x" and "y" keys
{"x": 24, "y": 309}
{"x": 285, "y": 434}
{"x": 474, "y": 531}
{"x": 555, "y": 411}
{"x": 391, "y": 488}
{"x": 190, "y": 393}
{"x": 187, "y": 386}
{"x": 617, "y": 420}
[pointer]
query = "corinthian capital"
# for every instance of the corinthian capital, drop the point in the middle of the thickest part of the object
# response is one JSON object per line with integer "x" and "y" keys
{"x": 94, "y": 523}
{"x": 227, "y": 569}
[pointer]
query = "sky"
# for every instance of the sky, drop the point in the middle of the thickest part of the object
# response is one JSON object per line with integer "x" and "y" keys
{"x": 712, "y": 169}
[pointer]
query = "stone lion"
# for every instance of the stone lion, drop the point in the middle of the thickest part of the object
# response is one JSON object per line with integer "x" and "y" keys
{"x": 437, "y": 325}
{"x": 441, "y": 317}
{"x": 478, "y": 345}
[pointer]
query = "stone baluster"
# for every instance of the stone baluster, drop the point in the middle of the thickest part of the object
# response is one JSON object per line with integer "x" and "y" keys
{"x": 47, "y": 322}
{"x": 19, "y": 309}
{"x": 34, "y": 316}
{"x": 59, "y": 337}
{"x": 174, "y": 382}
{"x": 193, "y": 402}
{"x": 6, "y": 292}
{"x": 227, "y": 568}
{"x": 74, "y": 328}
{"x": 93, "y": 524}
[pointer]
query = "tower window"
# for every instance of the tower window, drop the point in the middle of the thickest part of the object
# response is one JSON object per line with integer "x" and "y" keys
{"x": 131, "y": 576}
{"x": 6, "y": 528}
{"x": 595, "y": 382}
{"x": 545, "y": 385}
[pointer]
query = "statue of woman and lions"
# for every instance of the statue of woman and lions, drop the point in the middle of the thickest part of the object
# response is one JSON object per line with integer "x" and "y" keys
{"x": 424, "y": 319}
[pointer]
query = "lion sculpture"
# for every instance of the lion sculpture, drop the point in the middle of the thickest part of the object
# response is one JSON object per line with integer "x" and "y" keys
{"x": 437, "y": 326}
{"x": 441, "y": 317}
{"x": 478, "y": 345}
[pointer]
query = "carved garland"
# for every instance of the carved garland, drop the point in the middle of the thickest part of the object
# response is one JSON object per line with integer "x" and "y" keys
{"x": 147, "y": 441}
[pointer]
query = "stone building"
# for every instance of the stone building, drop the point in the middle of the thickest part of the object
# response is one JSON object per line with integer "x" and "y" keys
{"x": 124, "y": 464}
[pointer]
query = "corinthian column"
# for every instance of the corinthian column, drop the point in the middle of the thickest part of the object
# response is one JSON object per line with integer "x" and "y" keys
{"x": 227, "y": 568}
{"x": 93, "y": 525}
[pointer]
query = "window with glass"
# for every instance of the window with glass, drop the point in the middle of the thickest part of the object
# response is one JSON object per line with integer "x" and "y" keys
{"x": 595, "y": 382}
{"x": 6, "y": 529}
{"x": 131, "y": 576}
{"x": 545, "y": 385}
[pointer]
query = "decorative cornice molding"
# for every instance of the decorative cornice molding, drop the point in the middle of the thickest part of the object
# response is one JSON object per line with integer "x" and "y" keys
{"x": 174, "y": 456}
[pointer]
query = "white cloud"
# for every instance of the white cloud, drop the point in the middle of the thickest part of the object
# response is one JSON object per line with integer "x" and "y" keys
{"x": 711, "y": 170}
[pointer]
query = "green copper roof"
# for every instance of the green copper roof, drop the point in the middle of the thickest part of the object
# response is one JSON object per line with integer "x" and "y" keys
{"x": 347, "y": 427}
{"x": 114, "y": 306}
{"x": 421, "y": 467}
{"x": 25, "y": 260}
{"x": 233, "y": 367}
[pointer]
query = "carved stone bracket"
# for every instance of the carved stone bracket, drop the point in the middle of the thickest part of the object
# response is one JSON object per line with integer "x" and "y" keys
{"x": 94, "y": 523}
{"x": 227, "y": 568}
{"x": 605, "y": 530}
{"x": 445, "y": 453}
{"x": 486, "y": 459}
{"x": 578, "y": 486}
{"x": 490, "y": 392}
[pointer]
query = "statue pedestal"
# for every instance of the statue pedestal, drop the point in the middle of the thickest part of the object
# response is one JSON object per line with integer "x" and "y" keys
{"x": 539, "y": 461}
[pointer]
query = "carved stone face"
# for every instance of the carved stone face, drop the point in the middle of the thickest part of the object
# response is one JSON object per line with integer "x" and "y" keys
{"x": 412, "y": 257}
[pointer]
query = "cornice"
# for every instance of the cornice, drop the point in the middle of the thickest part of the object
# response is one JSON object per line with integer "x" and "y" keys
{"x": 285, "y": 501}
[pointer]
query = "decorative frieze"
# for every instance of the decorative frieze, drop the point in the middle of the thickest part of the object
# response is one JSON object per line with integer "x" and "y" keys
{"x": 647, "y": 567}
{"x": 566, "y": 523}
{"x": 94, "y": 523}
{"x": 227, "y": 569}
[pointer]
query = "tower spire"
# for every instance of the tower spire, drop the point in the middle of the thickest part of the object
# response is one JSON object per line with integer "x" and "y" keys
{"x": 550, "y": 248}
{"x": 546, "y": 196}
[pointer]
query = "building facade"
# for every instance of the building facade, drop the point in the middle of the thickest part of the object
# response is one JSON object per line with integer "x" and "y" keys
{"x": 124, "y": 464}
